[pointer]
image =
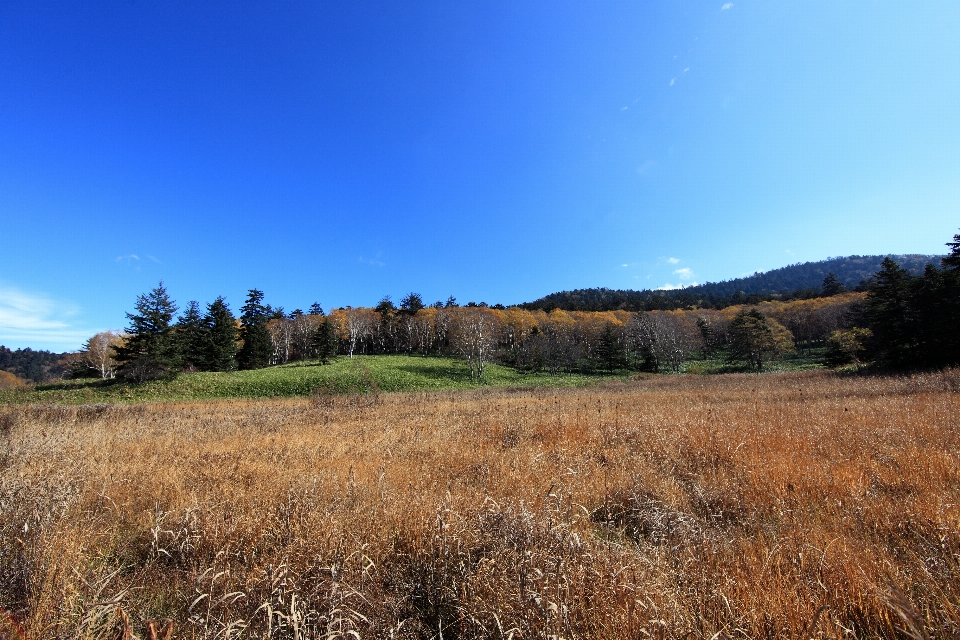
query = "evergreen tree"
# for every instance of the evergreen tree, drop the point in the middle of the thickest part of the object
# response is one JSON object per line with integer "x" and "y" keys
{"x": 949, "y": 305}
{"x": 221, "y": 345}
{"x": 755, "y": 339}
{"x": 150, "y": 350}
{"x": 257, "y": 346}
{"x": 952, "y": 261}
{"x": 890, "y": 316}
{"x": 708, "y": 334}
{"x": 832, "y": 285}
{"x": 609, "y": 352}
{"x": 316, "y": 309}
{"x": 191, "y": 334}
{"x": 411, "y": 303}
{"x": 325, "y": 341}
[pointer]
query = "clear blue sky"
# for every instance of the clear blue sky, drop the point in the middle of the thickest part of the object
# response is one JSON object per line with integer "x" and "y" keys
{"x": 495, "y": 151}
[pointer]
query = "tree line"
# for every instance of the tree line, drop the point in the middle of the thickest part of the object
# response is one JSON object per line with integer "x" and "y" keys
{"x": 899, "y": 321}
{"x": 793, "y": 282}
{"x": 159, "y": 344}
{"x": 907, "y": 321}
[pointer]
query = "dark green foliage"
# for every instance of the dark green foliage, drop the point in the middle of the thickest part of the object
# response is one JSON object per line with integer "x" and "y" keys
{"x": 952, "y": 261}
{"x": 385, "y": 308}
{"x": 411, "y": 303}
{"x": 754, "y": 339}
{"x": 192, "y": 337}
{"x": 610, "y": 351}
{"x": 316, "y": 309}
{"x": 257, "y": 347}
{"x": 221, "y": 348}
{"x": 28, "y": 364}
{"x": 800, "y": 281}
{"x": 915, "y": 320}
{"x": 890, "y": 317}
{"x": 710, "y": 338}
{"x": 832, "y": 285}
{"x": 325, "y": 341}
{"x": 151, "y": 349}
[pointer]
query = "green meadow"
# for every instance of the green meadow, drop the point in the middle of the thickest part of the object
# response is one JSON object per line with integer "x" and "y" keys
{"x": 361, "y": 374}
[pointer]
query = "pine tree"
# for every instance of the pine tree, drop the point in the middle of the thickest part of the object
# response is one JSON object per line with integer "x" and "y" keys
{"x": 192, "y": 337}
{"x": 411, "y": 303}
{"x": 150, "y": 350}
{"x": 325, "y": 341}
{"x": 890, "y": 316}
{"x": 832, "y": 285}
{"x": 755, "y": 338}
{"x": 609, "y": 352}
{"x": 952, "y": 261}
{"x": 257, "y": 347}
{"x": 221, "y": 354}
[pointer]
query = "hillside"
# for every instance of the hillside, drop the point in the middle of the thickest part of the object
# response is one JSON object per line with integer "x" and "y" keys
{"x": 794, "y": 281}
{"x": 38, "y": 366}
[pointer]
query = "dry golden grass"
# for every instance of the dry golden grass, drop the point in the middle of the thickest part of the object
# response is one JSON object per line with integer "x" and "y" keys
{"x": 775, "y": 506}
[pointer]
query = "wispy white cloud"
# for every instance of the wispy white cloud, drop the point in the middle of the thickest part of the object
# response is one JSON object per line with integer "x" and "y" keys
{"x": 727, "y": 5}
{"x": 686, "y": 273}
{"x": 35, "y": 319}
{"x": 624, "y": 108}
{"x": 376, "y": 262}
{"x": 646, "y": 167}
{"x": 673, "y": 260}
{"x": 673, "y": 81}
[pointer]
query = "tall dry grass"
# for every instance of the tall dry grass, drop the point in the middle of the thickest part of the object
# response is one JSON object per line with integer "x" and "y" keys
{"x": 775, "y": 506}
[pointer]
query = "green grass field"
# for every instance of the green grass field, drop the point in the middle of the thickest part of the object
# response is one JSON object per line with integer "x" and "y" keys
{"x": 362, "y": 374}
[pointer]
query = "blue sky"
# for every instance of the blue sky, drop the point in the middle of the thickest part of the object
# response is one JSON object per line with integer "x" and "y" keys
{"x": 495, "y": 151}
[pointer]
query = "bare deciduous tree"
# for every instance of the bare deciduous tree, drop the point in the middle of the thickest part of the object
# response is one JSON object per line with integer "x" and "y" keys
{"x": 474, "y": 336}
{"x": 98, "y": 352}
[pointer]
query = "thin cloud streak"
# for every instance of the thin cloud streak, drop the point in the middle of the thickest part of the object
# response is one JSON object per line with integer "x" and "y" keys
{"x": 35, "y": 318}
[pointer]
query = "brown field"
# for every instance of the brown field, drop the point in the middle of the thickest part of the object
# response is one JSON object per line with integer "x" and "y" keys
{"x": 774, "y": 506}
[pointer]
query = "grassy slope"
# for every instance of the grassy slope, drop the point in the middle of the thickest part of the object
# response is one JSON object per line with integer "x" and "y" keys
{"x": 359, "y": 375}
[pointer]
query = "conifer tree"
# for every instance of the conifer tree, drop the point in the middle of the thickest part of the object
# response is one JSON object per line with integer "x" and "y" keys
{"x": 191, "y": 334}
{"x": 325, "y": 341}
{"x": 832, "y": 285}
{"x": 257, "y": 346}
{"x": 150, "y": 350}
{"x": 221, "y": 345}
{"x": 755, "y": 338}
{"x": 890, "y": 316}
{"x": 609, "y": 352}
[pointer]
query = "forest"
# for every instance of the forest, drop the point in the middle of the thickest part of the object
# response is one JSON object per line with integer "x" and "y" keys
{"x": 898, "y": 321}
{"x": 900, "y": 317}
{"x": 793, "y": 282}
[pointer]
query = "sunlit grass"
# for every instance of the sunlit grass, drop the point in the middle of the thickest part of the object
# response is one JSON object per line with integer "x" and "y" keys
{"x": 787, "y": 505}
{"x": 361, "y": 374}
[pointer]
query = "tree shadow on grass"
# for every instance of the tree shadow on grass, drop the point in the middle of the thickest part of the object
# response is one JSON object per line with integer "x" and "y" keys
{"x": 443, "y": 372}
{"x": 73, "y": 385}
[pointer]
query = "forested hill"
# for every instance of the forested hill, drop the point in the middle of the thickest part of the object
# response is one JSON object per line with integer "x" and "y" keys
{"x": 795, "y": 281}
{"x": 28, "y": 364}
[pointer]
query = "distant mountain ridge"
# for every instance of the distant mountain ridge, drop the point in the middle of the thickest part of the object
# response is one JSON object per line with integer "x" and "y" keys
{"x": 803, "y": 280}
